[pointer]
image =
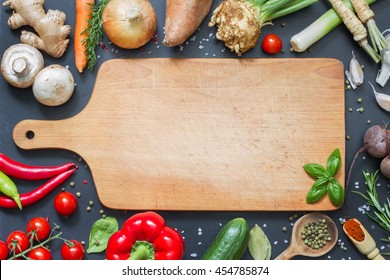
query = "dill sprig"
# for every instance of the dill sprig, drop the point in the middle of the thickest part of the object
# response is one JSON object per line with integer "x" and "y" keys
{"x": 95, "y": 32}
{"x": 381, "y": 213}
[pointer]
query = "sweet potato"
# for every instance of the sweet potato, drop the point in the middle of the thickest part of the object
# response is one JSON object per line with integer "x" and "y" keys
{"x": 183, "y": 17}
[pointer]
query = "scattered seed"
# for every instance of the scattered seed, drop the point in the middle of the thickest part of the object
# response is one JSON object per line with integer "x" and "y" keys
{"x": 101, "y": 212}
{"x": 359, "y": 100}
{"x": 284, "y": 229}
{"x": 72, "y": 184}
{"x": 88, "y": 208}
{"x": 348, "y": 137}
{"x": 90, "y": 202}
{"x": 78, "y": 194}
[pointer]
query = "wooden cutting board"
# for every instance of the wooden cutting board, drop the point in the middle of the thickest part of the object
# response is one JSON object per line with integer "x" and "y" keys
{"x": 204, "y": 134}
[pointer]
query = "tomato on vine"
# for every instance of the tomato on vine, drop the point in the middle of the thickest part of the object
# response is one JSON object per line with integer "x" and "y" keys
{"x": 18, "y": 241}
{"x": 65, "y": 203}
{"x": 272, "y": 44}
{"x": 39, "y": 228}
{"x": 3, "y": 250}
{"x": 40, "y": 253}
{"x": 72, "y": 250}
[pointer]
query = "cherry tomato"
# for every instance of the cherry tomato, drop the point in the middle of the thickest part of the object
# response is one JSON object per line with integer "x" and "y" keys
{"x": 3, "y": 250}
{"x": 40, "y": 253}
{"x": 18, "y": 241}
{"x": 65, "y": 203}
{"x": 39, "y": 228}
{"x": 72, "y": 250}
{"x": 272, "y": 44}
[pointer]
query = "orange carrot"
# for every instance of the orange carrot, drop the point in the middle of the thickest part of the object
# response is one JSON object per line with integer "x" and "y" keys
{"x": 83, "y": 12}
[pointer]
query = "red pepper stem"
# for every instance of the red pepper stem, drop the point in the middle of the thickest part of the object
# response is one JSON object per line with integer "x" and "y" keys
{"x": 142, "y": 250}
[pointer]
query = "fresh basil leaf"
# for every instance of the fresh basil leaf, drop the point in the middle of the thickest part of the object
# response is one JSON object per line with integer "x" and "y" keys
{"x": 333, "y": 163}
{"x": 316, "y": 192}
{"x": 336, "y": 193}
{"x": 321, "y": 182}
{"x": 315, "y": 170}
{"x": 258, "y": 244}
{"x": 101, "y": 231}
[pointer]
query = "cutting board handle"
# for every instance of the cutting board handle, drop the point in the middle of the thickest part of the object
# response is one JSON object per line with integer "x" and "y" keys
{"x": 40, "y": 134}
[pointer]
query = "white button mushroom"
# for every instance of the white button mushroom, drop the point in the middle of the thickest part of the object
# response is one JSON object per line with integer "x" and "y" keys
{"x": 20, "y": 64}
{"x": 54, "y": 85}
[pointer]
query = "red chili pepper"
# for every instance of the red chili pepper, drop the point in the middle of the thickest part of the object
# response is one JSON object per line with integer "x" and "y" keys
{"x": 29, "y": 172}
{"x": 145, "y": 236}
{"x": 37, "y": 194}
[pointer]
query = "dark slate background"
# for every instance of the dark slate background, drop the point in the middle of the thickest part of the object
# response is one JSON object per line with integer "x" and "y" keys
{"x": 198, "y": 228}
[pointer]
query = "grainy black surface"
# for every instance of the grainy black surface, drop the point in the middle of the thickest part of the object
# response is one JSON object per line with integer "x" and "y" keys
{"x": 198, "y": 228}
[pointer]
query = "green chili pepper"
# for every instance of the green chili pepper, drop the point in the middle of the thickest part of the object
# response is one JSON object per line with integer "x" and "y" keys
{"x": 8, "y": 188}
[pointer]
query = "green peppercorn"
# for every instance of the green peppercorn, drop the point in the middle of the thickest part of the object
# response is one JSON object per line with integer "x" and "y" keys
{"x": 315, "y": 234}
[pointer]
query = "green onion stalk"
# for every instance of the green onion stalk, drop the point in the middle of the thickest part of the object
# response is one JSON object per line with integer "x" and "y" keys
{"x": 239, "y": 22}
{"x": 301, "y": 41}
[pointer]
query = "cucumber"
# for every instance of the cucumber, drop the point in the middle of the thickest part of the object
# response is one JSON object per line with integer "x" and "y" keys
{"x": 230, "y": 243}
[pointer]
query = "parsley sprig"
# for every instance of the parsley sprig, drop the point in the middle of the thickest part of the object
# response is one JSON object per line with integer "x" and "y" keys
{"x": 325, "y": 180}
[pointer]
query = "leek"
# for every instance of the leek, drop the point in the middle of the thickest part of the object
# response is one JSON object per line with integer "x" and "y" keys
{"x": 301, "y": 41}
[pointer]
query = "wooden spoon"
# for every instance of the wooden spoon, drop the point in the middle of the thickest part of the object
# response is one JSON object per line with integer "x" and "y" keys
{"x": 297, "y": 245}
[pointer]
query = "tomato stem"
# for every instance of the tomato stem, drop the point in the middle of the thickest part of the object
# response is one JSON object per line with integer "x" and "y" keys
{"x": 41, "y": 244}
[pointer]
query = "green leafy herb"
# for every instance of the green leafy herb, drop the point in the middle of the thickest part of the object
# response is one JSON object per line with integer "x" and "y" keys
{"x": 101, "y": 231}
{"x": 381, "y": 213}
{"x": 94, "y": 31}
{"x": 258, "y": 244}
{"x": 325, "y": 182}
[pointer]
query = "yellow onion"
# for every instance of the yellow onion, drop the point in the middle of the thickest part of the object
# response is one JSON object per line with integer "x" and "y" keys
{"x": 129, "y": 24}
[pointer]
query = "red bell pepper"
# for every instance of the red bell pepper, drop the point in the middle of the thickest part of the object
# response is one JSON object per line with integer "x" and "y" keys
{"x": 145, "y": 236}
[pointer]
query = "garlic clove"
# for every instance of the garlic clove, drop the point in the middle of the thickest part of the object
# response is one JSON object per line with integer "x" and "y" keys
{"x": 382, "y": 99}
{"x": 355, "y": 74}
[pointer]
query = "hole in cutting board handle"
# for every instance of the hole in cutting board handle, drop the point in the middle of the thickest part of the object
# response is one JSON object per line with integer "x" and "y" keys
{"x": 30, "y": 134}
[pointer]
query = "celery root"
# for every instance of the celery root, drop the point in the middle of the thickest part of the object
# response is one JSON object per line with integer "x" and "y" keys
{"x": 52, "y": 32}
{"x": 183, "y": 17}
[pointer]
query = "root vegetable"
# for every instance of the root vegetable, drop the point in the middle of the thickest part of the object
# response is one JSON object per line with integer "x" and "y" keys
{"x": 94, "y": 30}
{"x": 182, "y": 19}
{"x": 376, "y": 144}
{"x": 54, "y": 85}
{"x": 239, "y": 21}
{"x": 129, "y": 24}
{"x": 366, "y": 15}
{"x": 83, "y": 11}
{"x": 20, "y": 64}
{"x": 355, "y": 26}
{"x": 52, "y": 32}
{"x": 385, "y": 167}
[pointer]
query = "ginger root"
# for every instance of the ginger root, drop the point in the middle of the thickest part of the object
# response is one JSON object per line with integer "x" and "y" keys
{"x": 52, "y": 32}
